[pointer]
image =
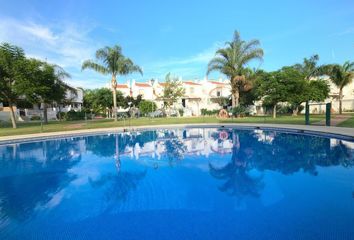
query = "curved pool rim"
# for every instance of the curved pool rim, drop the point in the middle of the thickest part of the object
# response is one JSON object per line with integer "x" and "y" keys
{"x": 320, "y": 131}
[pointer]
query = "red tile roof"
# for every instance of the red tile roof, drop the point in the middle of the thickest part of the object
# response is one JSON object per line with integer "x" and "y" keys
{"x": 122, "y": 86}
{"x": 219, "y": 83}
{"x": 142, "y": 85}
{"x": 192, "y": 83}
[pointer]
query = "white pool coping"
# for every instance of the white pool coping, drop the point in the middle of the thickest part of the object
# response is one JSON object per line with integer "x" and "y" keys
{"x": 341, "y": 132}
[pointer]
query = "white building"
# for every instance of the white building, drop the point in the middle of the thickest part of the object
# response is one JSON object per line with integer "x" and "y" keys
{"x": 199, "y": 94}
{"x": 73, "y": 101}
{"x": 347, "y": 101}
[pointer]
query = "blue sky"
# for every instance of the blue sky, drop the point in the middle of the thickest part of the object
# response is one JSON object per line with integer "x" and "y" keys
{"x": 176, "y": 36}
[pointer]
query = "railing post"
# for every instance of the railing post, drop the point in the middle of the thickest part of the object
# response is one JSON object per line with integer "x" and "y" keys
{"x": 328, "y": 114}
{"x": 307, "y": 113}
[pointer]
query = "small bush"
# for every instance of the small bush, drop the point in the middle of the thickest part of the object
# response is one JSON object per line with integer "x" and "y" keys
{"x": 61, "y": 115}
{"x": 73, "y": 116}
{"x": 288, "y": 109}
{"x": 181, "y": 111}
{"x": 35, "y": 118}
{"x": 240, "y": 111}
{"x": 284, "y": 109}
{"x": 146, "y": 106}
{"x": 206, "y": 112}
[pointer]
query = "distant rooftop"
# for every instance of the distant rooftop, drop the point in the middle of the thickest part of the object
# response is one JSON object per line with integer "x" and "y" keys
{"x": 142, "y": 84}
{"x": 192, "y": 83}
{"x": 122, "y": 86}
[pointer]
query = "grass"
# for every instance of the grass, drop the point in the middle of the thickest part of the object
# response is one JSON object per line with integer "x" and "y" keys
{"x": 347, "y": 123}
{"x": 56, "y": 126}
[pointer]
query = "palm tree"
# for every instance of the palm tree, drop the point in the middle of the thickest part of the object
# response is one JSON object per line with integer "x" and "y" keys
{"x": 309, "y": 67}
{"x": 232, "y": 61}
{"x": 341, "y": 76}
{"x": 110, "y": 60}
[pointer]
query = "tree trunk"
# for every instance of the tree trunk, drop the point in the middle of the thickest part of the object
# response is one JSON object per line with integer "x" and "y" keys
{"x": 295, "y": 111}
{"x": 235, "y": 98}
{"x": 340, "y": 100}
{"x": 45, "y": 113}
{"x": 12, "y": 115}
{"x": 114, "y": 87}
{"x": 275, "y": 111}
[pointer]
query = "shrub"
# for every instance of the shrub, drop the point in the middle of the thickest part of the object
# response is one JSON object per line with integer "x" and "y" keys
{"x": 181, "y": 111}
{"x": 240, "y": 111}
{"x": 206, "y": 112}
{"x": 72, "y": 116}
{"x": 35, "y": 118}
{"x": 284, "y": 109}
{"x": 146, "y": 106}
{"x": 61, "y": 115}
{"x": 288, "y": 109}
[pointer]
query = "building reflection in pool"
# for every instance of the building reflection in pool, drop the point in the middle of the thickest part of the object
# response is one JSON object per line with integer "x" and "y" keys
{"x": 33, "y": 174}
{"x": 248, "y": 151}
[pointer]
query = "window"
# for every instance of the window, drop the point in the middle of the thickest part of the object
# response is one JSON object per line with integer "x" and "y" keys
{"x": 184, "y": 103}
{"x": 218, "y": 93}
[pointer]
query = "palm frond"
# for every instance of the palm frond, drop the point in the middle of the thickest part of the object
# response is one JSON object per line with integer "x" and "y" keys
{"x": 89, "y": 64}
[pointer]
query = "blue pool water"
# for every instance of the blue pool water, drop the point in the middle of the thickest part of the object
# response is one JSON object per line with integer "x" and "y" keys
{"x": 200, "y": 183}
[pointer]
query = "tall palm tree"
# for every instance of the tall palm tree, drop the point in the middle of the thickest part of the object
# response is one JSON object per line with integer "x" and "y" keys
{"x": 110, "y": 60}
{"x": 309, "y": 67}
{"x": 341, "y": 76}
{"x": 232, "y": 61}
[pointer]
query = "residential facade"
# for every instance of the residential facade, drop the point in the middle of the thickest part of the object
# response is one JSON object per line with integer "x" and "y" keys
{"x": 347, "y": 101}
{"x": 199, "y": 94}
{"x": 73, "y": 102}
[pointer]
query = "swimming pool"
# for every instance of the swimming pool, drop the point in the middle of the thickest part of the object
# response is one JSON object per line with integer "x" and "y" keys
{"x": 194, "y": 183}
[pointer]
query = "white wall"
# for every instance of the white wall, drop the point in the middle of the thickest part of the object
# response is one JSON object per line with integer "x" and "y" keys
{"x": 4, "y": 116}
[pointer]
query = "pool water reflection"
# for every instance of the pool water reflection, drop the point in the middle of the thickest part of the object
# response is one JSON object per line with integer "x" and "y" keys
{"x": 196, "y": 183}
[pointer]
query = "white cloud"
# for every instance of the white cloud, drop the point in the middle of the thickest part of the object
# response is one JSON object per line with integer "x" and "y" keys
{"x": 38, "y": 32}
{"x": 188, "y": 67}
{"x": 345, "y": 32}
{"x": 67, "y": 45}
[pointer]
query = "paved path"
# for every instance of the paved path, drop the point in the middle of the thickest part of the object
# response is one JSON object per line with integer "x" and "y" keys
{"x": 347, "y": 132}
{"x": 335, "y": 120}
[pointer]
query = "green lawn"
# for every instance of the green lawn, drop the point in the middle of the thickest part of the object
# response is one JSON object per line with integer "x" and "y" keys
{"x": 347, "y": 123}
{"x": 54, "y": 126}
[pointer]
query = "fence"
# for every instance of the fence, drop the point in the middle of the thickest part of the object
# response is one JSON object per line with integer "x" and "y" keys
{"x": 327, "y": 111}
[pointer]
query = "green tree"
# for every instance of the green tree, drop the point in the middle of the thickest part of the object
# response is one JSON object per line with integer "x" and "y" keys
{"x": 316, "y": 89}
{"x": 133, "y": 101}
{"x": 110, "y": 60}
{"x": 99, "y": 100}
{"x": 89, "y": 97}
{"x": 43, "y": 83}
{"x": 232, "y": 61}
{"x": 12, "y": 61}
{"x": 103, "y": 100}
{"x": 290, "y": 85}
{"x": 303, "y": 89}
{"x": 173, "y": 90}
{"x": 341, "y": 76}
{"x": 146, "y": 106}
{"x": 272, "y": 88}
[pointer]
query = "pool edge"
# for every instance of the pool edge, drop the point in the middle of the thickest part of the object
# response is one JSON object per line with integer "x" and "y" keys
{"x": 335, "y": 132}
